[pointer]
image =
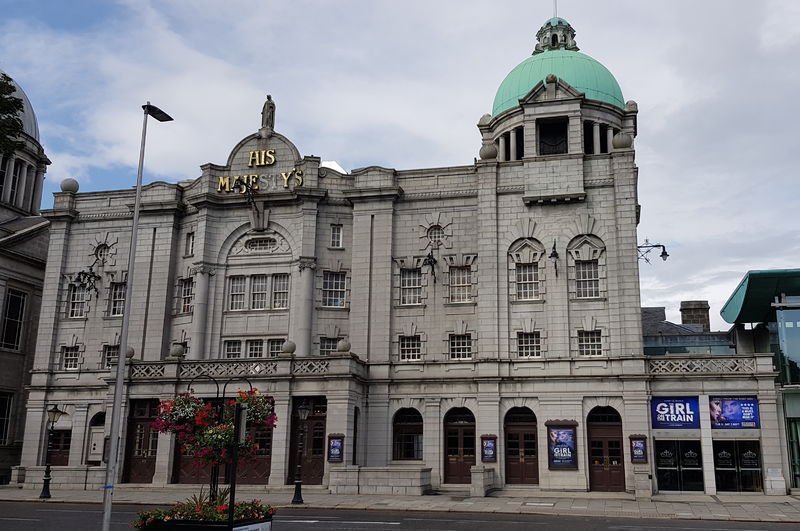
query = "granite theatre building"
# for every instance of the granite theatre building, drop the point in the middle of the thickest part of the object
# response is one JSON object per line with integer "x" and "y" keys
{"x": 468, "y": 327}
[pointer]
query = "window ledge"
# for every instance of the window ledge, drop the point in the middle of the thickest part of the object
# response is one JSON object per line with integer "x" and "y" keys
{"x": 465, "y": 304}
{"x": 251, "y": 311}
{"x": 334, "y": 308}
{"x": 410, "y": 306}
{"x": 588, "y": 299}
{"x": 528, "y": 301}
{"x": 337, "y": 248}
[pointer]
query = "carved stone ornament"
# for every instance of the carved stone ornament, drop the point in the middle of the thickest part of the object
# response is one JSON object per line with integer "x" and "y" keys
{"x": 307, "y": 262}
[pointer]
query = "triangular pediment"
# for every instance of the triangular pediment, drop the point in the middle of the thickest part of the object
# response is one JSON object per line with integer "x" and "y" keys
{"x": 554, "y": 91}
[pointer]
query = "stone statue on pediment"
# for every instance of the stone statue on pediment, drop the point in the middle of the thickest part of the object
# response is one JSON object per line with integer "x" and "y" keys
{"x": 268, "y": 114}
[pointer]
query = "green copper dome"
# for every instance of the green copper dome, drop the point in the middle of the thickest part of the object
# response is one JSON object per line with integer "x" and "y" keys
{"x": 561, "y": 58}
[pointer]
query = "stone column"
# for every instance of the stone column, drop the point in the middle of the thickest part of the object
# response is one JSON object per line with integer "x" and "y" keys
{"x": 38, "y": 187}
{"x": 610, "y": 139}
{"x": 78, "y": 442}
{"x": 707, "y": 447}
{"x": 771, "y": 446}
{"x": 164, "y": 459}
{"x": 9, "y": 178}
{"x": 200, "y": 331}
{"x": 596, "y": 137}
{"x": 34, "y": 435}
{"x": 501, "y": 148}
{"x": 280, "y": 442}
{"x": 305, "y": 305}
{"x": 512, "y": 137}
{"x": 432, "y": 439}
{"x": 379, "y": 428}
{"x": 22, "y": 185}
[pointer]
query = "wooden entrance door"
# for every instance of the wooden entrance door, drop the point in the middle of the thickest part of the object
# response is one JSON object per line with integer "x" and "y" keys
{"x": 606, "y": 462}
{"x": 522, "y": 462}
{"x": 459, "y": 428}
{"x": 312, "y": 435}
{"x": 141, "y": 442}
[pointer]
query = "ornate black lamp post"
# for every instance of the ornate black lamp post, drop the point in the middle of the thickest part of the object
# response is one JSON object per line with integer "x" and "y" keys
{"x": 302, "y": 414}
{"x": 53, "y": 414}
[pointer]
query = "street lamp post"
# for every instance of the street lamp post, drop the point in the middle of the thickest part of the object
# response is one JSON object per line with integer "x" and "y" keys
{"x": 302, "y": 414}
{"x": 116, "y": 410}
{"x": 53, "y": 414}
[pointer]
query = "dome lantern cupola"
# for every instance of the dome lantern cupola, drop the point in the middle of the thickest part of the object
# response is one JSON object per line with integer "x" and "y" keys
{"x": 555, "y": 34}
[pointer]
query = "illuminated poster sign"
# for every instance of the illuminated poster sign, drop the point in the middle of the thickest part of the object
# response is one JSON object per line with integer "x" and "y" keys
{"x": 733, "y": 412}
{"x": 675, "y": 413}
{"x": 561, "y": 451}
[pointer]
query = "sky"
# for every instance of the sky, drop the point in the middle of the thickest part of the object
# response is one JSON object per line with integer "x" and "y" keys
{"x": 402, "y": 84}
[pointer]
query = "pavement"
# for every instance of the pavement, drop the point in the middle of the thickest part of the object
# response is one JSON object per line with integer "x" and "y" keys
{"x": 746, "y": 508}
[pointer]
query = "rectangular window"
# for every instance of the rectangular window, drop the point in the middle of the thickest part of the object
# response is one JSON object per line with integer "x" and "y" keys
{"x": 460, "y": 284}
{"x": 280, "y": 291}
{"x": 189, "y": 250}
{"x": 553, "y": 136}
{"x": 411, "y": 286}
{"x": 410, "y": 348}
{"x": 460, "y": 346}
{"x": 587, "y": 279}
{"x": 236, "y": 298}
{"x": 590, "y": 343}
{"x": 327, "y": 345}
{"x": 336, "y": 236}
{"x": 333, "y": 289}
{"x": 529, "y": 345}
{"x": 275, "y": 347}
{"x": 232, "y": 349}
{"x": 255, "y": 348}
{"x": 118, "y": 298}
{"x": 12, "y": 319}
{"x": 259, "y": 292}
{"x": 527, "y": 282}
{"x": 110, "y": 355}
{"x": 77, "y": 300}
{"x": 187, "y": 295}
{"x": 6, "y": 400}
{"x": 69, "y": 358}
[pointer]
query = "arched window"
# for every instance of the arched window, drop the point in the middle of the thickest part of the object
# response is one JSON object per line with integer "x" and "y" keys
{"x": 554, "y": 40}
{"x": 407, "y": 435}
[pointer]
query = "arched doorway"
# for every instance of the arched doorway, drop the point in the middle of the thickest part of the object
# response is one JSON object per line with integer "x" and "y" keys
{"x": 606, "y": 461}
{"x": 459, "y": 445}
{"x": 522, "y": 462}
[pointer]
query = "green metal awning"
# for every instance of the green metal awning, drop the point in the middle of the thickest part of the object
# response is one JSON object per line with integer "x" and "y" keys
{"x": 752, "y": 300}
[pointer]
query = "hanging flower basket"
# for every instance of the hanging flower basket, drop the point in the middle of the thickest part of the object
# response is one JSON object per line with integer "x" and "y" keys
{"x": 207, "y": 435}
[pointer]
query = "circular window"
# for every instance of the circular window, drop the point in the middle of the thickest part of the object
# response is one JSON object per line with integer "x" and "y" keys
{"x": 101, "y": 252}
{"x": 262, "y": 244}
{"x": 435, "y": 234}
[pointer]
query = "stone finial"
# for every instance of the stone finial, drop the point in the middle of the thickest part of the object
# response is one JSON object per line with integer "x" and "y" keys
{"x": 288, "y": 347}
{"x": 488, "y": 151}
{"x": 130, "y": 352}
{"x": 177, "y": 351}
{"x": 631, "y": 105}
{"x": 343, "y": 345}
{"x": 70, "y": 185}
{"x": 551, "y": 78}
{"x": 622, "y": 141}
{"x": 485, "y": 119}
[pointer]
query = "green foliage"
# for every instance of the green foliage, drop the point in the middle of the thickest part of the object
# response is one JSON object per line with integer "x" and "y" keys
{"x": 10, "y": 122}
{"x": 199, "y": 508}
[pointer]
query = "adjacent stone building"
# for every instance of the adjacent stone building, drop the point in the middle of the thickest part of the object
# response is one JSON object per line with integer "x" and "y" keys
{"x": 23, "y": 250}
{"x": 469, "y": 327}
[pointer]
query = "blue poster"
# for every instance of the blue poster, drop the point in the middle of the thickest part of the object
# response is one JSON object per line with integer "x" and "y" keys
{"x": 674, "y": 413}
{"x": 561, "y": 447}
{"x": 733, "y": 412}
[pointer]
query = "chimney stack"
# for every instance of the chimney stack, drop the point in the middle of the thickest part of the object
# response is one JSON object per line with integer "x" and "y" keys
{"x": 695, "y": 313}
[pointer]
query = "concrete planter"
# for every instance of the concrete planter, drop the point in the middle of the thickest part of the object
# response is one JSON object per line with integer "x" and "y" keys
{"x": 258, "y": 524}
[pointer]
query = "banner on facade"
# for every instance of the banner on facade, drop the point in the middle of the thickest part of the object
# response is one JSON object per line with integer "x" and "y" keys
{"x": 561, "y": 447}
{"x": 335, "y": 448}
{"x": 675, "y": 413}
{"x": 734, "y": 412}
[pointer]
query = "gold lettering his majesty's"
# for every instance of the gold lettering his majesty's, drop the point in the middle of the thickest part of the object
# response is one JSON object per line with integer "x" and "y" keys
{"x": 297, "y": 174}
{"x": 226, "y": 183}
{"x": 262, "y": 157}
